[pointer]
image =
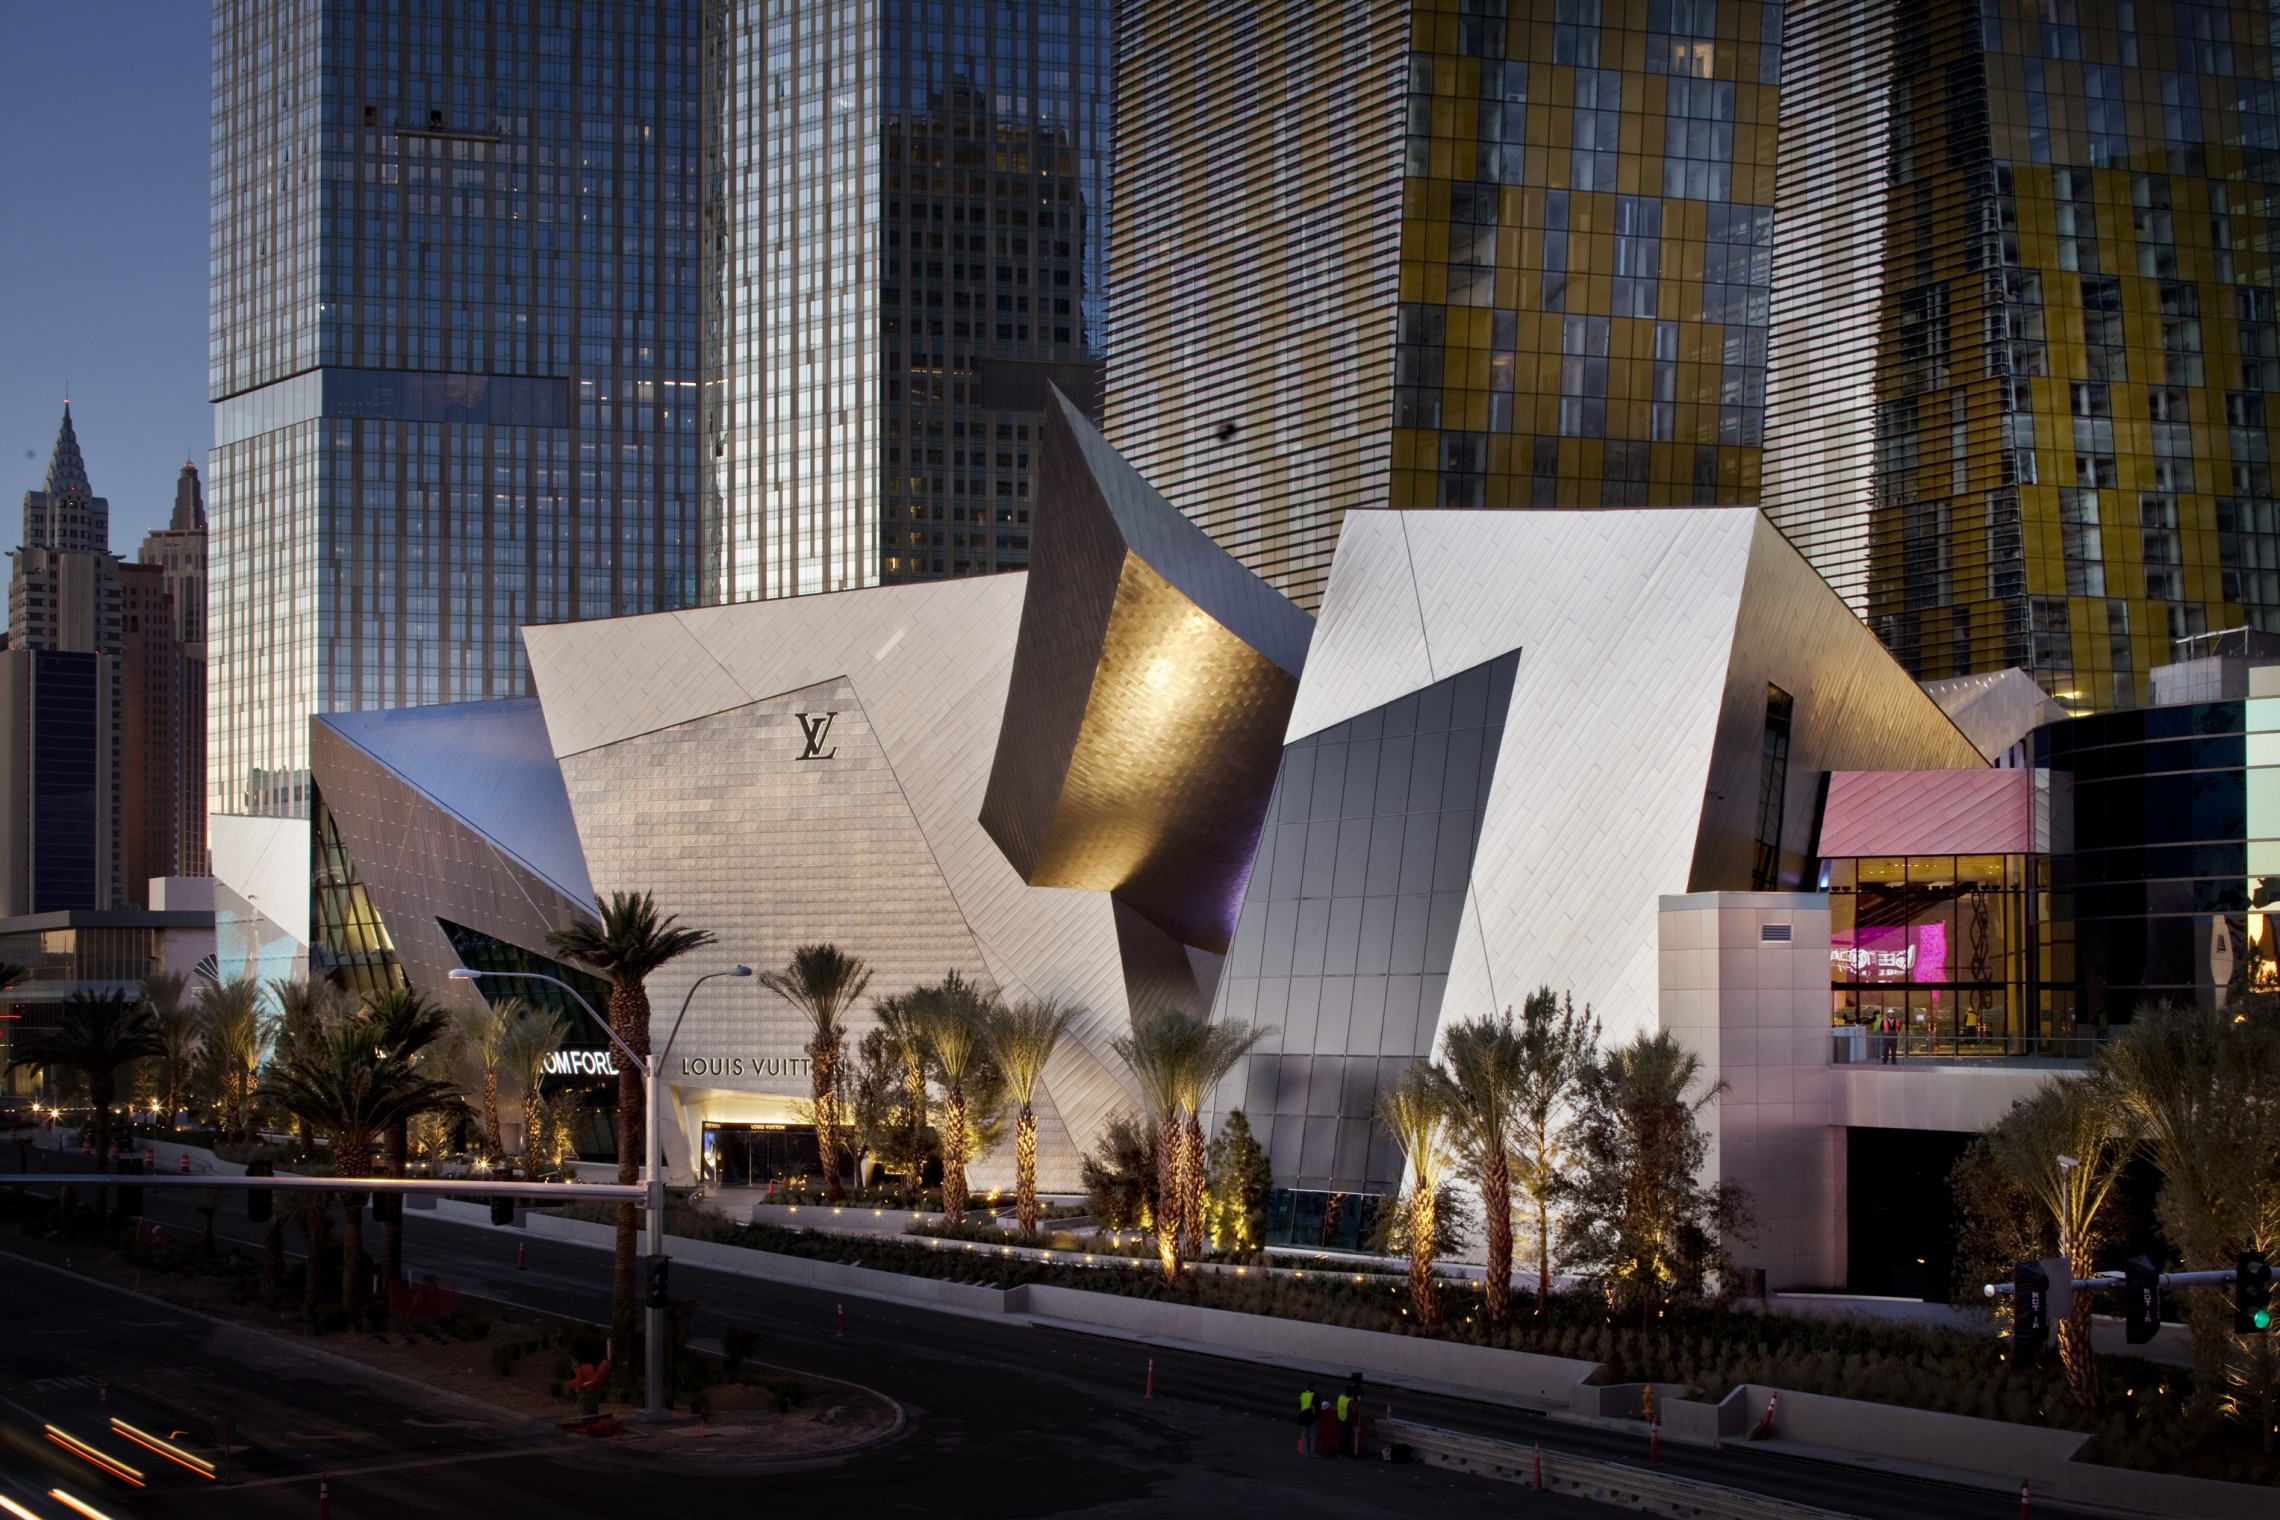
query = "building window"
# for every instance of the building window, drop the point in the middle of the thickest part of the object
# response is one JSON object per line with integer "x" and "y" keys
{"x": 1773, "y": 788}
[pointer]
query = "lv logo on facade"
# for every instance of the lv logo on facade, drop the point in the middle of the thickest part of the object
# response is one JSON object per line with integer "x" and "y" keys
{"x": 816, "y": 727}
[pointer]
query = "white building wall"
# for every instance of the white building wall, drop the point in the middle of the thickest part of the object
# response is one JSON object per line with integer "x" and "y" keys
{"x": 1754, "y": 1008}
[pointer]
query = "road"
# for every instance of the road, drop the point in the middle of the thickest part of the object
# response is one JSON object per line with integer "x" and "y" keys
{"x": 1006, "y": 1420}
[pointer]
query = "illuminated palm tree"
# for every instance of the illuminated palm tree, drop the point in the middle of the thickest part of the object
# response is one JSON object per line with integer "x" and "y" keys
{"x": 899, "y": 1017}
{"x": 823, "y": 982}
{"x": 95, "y": 1033}
{"x": 1212, "y": 1054}
{"x": 1023, "y": 1038}
{"x": 409, "y": 1026}
{"x": 529, "y": 1039}
{"x": 483, "y": 1036}
{"x": 351, "y": 1082}
{"x": 1160, "y": 1050}
{"x": 631, "y": 941}
{"x": 165, "y": 994}
{"x": 1414, "y": 1112}
{"x": 235, "y": 1037}
{"x": 1481, "y": 1079}
{"x": 955, "y": 1016}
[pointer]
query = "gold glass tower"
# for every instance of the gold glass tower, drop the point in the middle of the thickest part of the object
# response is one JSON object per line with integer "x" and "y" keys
{"x": 1450, "y": 253}
{"x": 2062, "y": 461}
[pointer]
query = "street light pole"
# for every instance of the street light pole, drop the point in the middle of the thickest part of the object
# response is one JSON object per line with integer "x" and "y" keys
{"x": 652, "y": 1159}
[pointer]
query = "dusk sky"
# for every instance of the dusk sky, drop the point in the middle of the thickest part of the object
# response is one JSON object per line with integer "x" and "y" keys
{"x": 103, "y": 112}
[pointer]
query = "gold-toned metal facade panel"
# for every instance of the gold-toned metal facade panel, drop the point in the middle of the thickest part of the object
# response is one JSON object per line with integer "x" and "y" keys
{"x": 1178, "y": 746}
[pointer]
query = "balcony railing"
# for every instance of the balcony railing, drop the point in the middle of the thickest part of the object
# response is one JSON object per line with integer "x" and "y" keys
{"x": 1861, "y": 1045}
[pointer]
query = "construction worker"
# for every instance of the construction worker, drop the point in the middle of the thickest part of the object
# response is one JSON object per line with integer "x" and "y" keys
{"x": 1350, "y": 1418}
{"x": 1307, "y": 1419}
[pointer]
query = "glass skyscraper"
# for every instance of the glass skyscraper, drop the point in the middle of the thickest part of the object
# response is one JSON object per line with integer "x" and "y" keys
{"x": 1450, "y": 253}
{"x": 2043, "y": 252}
{"x": 454, "y": 351}
{"x": 905, "y": 207}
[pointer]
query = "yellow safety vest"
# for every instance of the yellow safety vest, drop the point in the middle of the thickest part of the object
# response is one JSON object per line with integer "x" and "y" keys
{"x": 1343, "y": 1402}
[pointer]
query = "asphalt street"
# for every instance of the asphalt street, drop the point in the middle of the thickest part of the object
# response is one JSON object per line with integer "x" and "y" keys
{"x": 1005, "y": 1420}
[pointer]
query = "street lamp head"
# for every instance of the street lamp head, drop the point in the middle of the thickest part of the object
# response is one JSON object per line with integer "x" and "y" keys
{"x": 463, "y": 974}
{"x": 2068, "y": 1162}
{"x": 740, "y": 971}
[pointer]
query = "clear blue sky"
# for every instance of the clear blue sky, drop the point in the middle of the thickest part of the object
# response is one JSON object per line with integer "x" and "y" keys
{"x": 103, "y": 112}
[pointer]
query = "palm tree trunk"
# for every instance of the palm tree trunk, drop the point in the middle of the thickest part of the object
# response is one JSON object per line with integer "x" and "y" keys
{"x": 823, "y": 1089}
{"x": 1191, "y": 1188}
{"x": 1422, "y": 1227}
{"x": 1543, "y": 1261}
{"x": 629, "y": 1015}
{"x": 392, "y": 1232}
{"x": 1167, "y": 1220}
{"x": 1025, "y": 1171}
{"x": 2074, "y": 1350}
{"x": 1496, "y": 1203}
{"x": 954, "y": 1155}
{"x": 530, "y": 1132}
{"x": 352, "y": 1161}
{"x": 914, "y": 1100}
{"x": 491, "y": 1136}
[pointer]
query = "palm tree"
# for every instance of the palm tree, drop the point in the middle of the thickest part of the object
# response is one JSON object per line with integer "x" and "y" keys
{"x": 1023, "y": 1038}
{"x": 95, "y": 1033}
{"x": 955, "y": 1016}
{"x": 232, "y": 1028}
{"x": 899, "y": 1016}
{"x": 353, "y": 1084}
{"x": 1160, "y": 1050}
{"x": 1557, "y": 1046}
{"x": 823, "y": 982}
{"x": 2059, "y": 1147}
{"x": 1211, "y": 1056}
{"x": 1480, "y": 1079}
{"x": 305, "y": 1005}
{"x": 164, "y": 994}
{"x": 409, "y": 1025}
{"x": 1413, "y": 1112}
{"x": 2196, "y": 1087}
{"x": 530, "y": 1038}
{"x": 631, "y": 941}
{"x": 483, "y": 1036}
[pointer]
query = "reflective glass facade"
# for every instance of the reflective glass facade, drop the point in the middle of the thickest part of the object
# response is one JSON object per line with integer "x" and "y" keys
{"x": 1351, "y": 917}
{"x": 1460, "y": 253}
{"x": 1935, "y": 955}
{"x": 2063, "y": 459}
{"x": 454, "y": 351}
{"x": 905, "y": 208}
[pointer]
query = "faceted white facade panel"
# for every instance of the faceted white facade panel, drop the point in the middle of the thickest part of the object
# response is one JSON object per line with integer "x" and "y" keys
{"x": 1650, "y": 646}
{"x": 681, "y": 740}
{"x": 265, "y": 861}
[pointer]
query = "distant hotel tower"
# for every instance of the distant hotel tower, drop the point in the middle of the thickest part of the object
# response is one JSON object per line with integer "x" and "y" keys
{"x": 904, "y": 225}
{"x": 101, "y": 697}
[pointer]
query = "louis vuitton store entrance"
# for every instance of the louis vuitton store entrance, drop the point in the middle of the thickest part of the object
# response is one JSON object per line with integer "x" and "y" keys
{"x": 757, "y": 1155}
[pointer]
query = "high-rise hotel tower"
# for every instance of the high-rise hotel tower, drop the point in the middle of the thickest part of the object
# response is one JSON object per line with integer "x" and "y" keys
{"x": 1443, "y": 253}
{"x": 905, "y": 207}
{"x": 454, "y": 351}
{"x": 2024, "y": 331}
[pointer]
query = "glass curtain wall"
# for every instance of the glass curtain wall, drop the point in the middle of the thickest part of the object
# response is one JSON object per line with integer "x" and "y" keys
{"x": 454, "y": 351}
{"x": 906, "y": 207}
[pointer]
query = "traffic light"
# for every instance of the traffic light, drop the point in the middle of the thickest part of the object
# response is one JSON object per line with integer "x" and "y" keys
{"x": 2141, "y": 1295}
{"x": 257, "y": 1199}
{"x": 2030, "y": 1306}
{"x": 387, "y": 1208}
{"x": 502, "y": 1211}
{"x": 2252, "y": 1294}
{"x": 660, "y": 1288}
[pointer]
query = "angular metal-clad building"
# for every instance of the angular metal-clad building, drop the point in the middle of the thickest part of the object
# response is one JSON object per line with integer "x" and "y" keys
{"x": 1515, "y": 730}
